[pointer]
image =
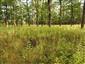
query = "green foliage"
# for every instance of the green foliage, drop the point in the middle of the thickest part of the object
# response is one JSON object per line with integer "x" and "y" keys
{"x": 42, "y": 45}
{"x": 32, "y": 11}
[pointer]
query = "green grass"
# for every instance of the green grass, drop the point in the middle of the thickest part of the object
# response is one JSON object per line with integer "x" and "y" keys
{"x": 42, "y": 45}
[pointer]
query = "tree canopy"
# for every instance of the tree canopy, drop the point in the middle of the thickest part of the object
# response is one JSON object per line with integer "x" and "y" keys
{"x": 40, "y": 11}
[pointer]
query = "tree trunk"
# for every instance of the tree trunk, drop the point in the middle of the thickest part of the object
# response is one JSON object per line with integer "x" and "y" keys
{"x": 60, "y": 18}
{"x": 83, "y": 16}
{"x": 14, "y": 21}
{"x": 28, "y": 16}
{"x": 37, "y": 12}
{"x": 5, "y": 19}
{"x": 72, "y": 16}
{"x": 37, "y": 17}
{"x": 49, "y": 13}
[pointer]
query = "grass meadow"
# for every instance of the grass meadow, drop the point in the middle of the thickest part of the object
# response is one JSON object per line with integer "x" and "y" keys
{"x": 42, "y": 45}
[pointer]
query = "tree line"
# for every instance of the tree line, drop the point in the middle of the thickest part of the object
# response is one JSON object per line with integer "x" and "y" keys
{"x": 41, "y": 12}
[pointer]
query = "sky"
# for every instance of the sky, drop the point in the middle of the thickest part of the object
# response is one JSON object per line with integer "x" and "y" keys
{"x": 25, "y": 0}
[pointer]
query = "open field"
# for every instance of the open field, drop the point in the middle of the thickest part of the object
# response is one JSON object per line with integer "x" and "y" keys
{"x": 42, "y": 45}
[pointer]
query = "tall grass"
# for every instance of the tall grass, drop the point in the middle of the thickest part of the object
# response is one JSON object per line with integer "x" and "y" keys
{"x": 42, "y": 45}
